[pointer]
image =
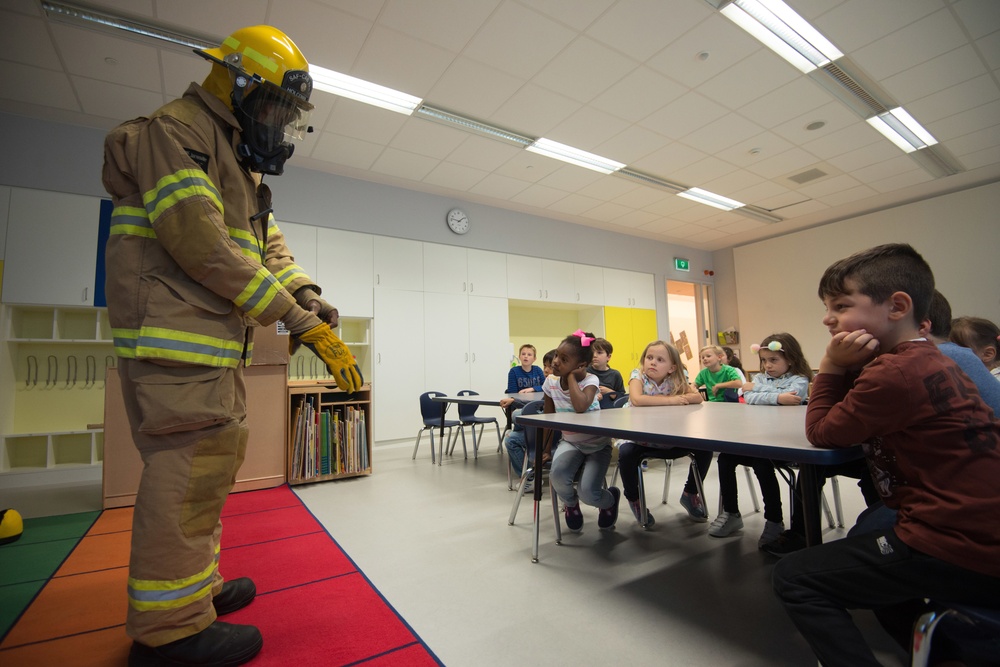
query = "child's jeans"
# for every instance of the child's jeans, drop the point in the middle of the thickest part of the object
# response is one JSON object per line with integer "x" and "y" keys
{"x": 566, "y": 463}
{"x": 517, "y": 446}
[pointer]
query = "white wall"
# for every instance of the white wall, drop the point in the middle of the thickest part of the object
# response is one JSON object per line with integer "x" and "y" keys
{"x": 958, "y": 234}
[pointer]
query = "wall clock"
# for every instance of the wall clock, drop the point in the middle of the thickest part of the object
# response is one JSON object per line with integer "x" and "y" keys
{"x": 458, "y": 221}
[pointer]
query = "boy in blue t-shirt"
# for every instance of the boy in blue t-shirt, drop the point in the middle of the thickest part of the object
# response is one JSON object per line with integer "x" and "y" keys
{"x": 527, "y": 377}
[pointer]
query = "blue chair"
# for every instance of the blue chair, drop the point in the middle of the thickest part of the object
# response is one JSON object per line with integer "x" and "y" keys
{"x": 975, "y": 630}
{"x": 467, "y": 417}
{"x": 431, "y": 414}
{"x": 531, "y": 439}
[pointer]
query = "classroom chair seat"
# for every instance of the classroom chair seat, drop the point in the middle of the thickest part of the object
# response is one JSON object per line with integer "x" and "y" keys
{"x": 974, "y": 629}
{"x": 430, "y": 412}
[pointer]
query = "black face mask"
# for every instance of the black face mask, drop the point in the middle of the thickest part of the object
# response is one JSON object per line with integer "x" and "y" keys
{"x": 266, "y": 115}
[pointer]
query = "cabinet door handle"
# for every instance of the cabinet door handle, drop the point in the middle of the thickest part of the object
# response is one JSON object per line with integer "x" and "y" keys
{"x": 379, "y": 355}
{"x": 472, "y": 287}
{"x": 85, "y": 294}
{"x": 463, "y": 287}
{"x": 378, "y": 279}
{"x": 546, "y": 294}
{"x": 577, "y": 296}
{"x": 539, "y": 294}
{"x": 473, "y": 357}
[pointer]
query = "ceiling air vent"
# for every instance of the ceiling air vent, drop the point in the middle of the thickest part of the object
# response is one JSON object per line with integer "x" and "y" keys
{"x": 807, "y": 175}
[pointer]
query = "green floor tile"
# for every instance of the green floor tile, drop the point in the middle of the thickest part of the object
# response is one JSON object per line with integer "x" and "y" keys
{"x": 20, "y": 563}
{"x": 13, "y": 600}
{"x": 64, "y": 526}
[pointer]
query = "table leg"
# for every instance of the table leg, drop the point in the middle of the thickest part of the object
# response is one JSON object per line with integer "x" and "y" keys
{"x": 444, "y": 409}
{"x": 537, "y": 477}
{"x": 810, "y": 490}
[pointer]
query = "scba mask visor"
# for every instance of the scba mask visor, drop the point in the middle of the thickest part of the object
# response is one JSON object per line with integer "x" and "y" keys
{"x": 270, "y": 117}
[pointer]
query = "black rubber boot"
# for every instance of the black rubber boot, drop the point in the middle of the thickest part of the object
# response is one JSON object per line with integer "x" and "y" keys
{"x": 222, "y": 644}
{"x": 235, "y": 594}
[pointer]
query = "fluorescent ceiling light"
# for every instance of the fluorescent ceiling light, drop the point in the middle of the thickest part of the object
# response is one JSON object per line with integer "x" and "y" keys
{"x": 710, "y": 199}
{"x": 81, "y": 15}
{"x": 574, "y": 156}
{"x": 901, "y": 129}
{"x": 362, "y": 91}
{"x": 783, "y": 31}
{"x": 471, "y": 125}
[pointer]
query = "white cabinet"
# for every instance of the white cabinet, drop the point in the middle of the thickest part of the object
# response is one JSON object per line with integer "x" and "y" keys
{"x": 489, "y": 344}
{"x": 487, "y": 273}
{"x": 524, "y": 278}
{"x": 398, "y": 369}
{"x": 629, "y": 289}
{"x": 301, "y": 241}
{"x": 557, "y": 282}
{"x": 398, "y": 265}
{"x": 345, "y": 271}
{"x": 51, "y": 250}
{"x": 445, "y": 269}
{"x": 446, "y": 342}
{"x": 589, "y": 284}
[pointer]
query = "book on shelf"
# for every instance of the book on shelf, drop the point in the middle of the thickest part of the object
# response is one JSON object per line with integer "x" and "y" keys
{"x": 332, "y": 440}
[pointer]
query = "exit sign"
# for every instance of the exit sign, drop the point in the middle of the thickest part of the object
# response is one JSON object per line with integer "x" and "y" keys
{"x": 682, "y": 264}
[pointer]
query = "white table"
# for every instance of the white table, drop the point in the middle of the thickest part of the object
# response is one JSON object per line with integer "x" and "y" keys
{"x": 770, "y": 432}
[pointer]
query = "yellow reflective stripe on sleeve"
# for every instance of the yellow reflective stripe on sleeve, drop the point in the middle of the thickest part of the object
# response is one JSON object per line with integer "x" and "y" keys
{"x": 290, "y": 273}
{"x": 131, "y": 220}
{"x": 248, "y": 243}
{"x": 179, "y": 186}
{"x": 258, "y": 294}
{"x": 158, "y": 595}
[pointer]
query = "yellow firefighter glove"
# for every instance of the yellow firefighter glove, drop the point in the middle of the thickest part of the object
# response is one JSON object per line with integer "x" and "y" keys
{"x": 325, "y": 345}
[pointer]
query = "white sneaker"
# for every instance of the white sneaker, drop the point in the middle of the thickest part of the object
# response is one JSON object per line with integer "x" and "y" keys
{"x": 725, "y": 524}
{"x": 528, "y": 487}
{"x": 772, "y": 530}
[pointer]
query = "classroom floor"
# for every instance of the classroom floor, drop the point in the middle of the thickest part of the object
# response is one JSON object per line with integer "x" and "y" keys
{"x": 435, "y": 542}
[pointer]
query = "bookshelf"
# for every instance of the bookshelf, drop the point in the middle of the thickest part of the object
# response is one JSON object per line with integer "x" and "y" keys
{"x": 329, "y": 432}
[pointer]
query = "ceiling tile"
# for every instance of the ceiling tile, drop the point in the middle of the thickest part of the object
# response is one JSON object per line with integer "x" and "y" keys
{"x": 827, "y": 186}
{"x": 527, "y": 166}
{"x": 844, "y": 140}
{"x": 533, "y": 111}
{"x": 754, "y": 149}
{"x": 781, "y": 105}
{"x": 846, "y": 196}
{"x": 723, "y": 133}
{"x": 935, "y": 75}
{"x": 751, "y": 78}
{"x": 989, "y": 46}
{"x": 669, "y": 160}
{"x": 724, "y": 42}
{"x": 631, "y": 144}
{"x": 854, "y": 24}
{"x": 684, "y": 115}
{"x": 109, "y": 100}
{"x": 634, "y": 219}
{"x": 916, "y": 43}
{"x": 638, "y": 94}
{"x": 111, "y": 59}
{"x": 702, "y": 171}
{"x": 985, "y": 157}
{"x": 482, "y": 153}
{"x": 835, "y": 115}
{"x": 606, "y": 212}
{"x": 901, "y": 164}
{"x": 610, "y": 188}
{"x": 974, "y": 141}
{"x": 472, "y": 89}
{"x": 784, "y": 163}
{"x": 578, "y": 14}
{"x": 369, "y": 9}
{"x": 734, "y": 181}
{"x": 449, "y": 24}
{"x": 328, "y": 36}
{"x": 642, "y": 197}
{"x": 586, "y": 129}
{"x": 424, "y": 137}
{"x": 404, "y": 165}
{"x": 966, "y": 95}
{"x": 584, "y": 69}
{"x": 539, "y": 195}
{"x": 877, "y": 151}
{"x": 979, "y": 17}
{"x": 415, "y": 74}
{"x": 538, "y": 40}
{"x": 571, "y": 178}
{"x": 455, "y": 176}
{"x": 39, "y": 86}
{"x": 762, "y": 192}
{"x": 501, "y": 187}
{"x": 640, "y": 28}
{"x": 902, "y": 180}
{"x": 25, "y": 40}
{"x": 971, "y": 120}
{"x": 575, "y": 204}
{"x": 349, "y": 151}
{"x": 217, "y": 21}
{"x": 181, "y": 69}
{"x": 364, "y": 122}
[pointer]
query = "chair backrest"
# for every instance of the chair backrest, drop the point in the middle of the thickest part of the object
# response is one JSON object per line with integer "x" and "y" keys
{"x": 620, "y": 401}
{"x": 466, "y": 411}
{"x": 531, "y": 433}
{"x": 731, "y": 395}
{"x": 428, "y": 408}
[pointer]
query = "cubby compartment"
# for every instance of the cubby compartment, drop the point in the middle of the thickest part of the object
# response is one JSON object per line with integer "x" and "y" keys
{"x": 72, "y": 449}
{"x": 31, "y": 324}
{"x": 26, "y": 451}
{"x": 77, "y": 325}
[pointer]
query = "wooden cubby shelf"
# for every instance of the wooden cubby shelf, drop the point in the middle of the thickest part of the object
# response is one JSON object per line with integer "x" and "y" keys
{"x": 329, "y": 432}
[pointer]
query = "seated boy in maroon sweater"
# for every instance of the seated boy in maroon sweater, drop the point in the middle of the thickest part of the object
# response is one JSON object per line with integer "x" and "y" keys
{"x": 932, "y": 448}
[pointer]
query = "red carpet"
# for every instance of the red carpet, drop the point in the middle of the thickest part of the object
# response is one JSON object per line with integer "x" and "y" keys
{"x": 313, "y": 606}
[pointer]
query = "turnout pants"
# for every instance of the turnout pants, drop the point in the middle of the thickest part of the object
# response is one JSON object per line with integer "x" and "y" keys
{"x": 189, "y": 425}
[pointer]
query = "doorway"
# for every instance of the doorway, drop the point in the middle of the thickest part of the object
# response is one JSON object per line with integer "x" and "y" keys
{"x": 691, "y": 318}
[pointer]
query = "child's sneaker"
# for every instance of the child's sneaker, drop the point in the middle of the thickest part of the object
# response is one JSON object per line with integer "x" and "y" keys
{"x": 726, "y": 524}
{"x": 574, "y": 517}
{"x": 786, "y": 543}
{"x": 607, "y": 518}
{"x": 772, "y": 530}
{"x": 695, "y": 508}
{"x": 634, "y": 506}
{"x": 527, "y": 487}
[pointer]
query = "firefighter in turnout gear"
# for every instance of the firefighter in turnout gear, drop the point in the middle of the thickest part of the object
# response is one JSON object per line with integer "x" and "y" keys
{"x": 195, "y": 261}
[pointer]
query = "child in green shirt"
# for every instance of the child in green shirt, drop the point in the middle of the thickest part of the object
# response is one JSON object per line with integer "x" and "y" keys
{"x": 716, "y": 376}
